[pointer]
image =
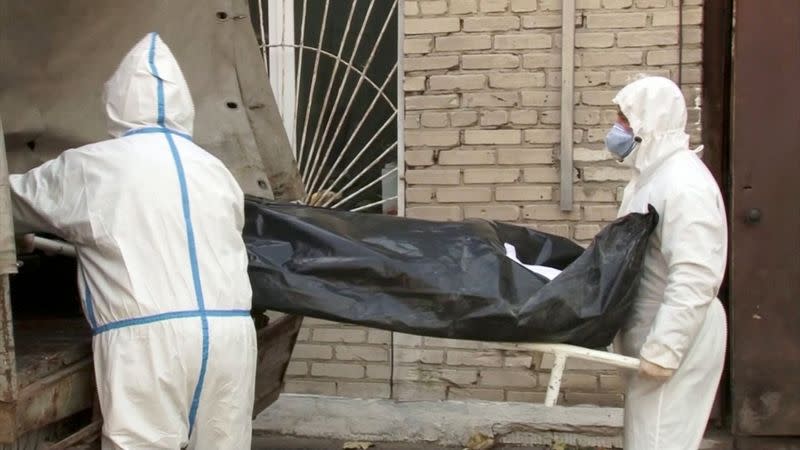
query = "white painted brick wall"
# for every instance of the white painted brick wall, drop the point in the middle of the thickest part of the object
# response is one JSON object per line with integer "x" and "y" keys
{"x": 482, "y": 85}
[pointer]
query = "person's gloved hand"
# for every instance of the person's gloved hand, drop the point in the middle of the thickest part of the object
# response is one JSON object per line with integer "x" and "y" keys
{"x": 654, "y": 371}
{"x": 25, "y": 243}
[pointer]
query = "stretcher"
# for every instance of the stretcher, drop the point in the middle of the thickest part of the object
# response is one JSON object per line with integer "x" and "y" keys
{"x": 561, "y": 352}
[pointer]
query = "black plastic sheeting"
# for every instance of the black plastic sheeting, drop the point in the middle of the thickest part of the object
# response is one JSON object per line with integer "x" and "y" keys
{"x": 443, "y": 279}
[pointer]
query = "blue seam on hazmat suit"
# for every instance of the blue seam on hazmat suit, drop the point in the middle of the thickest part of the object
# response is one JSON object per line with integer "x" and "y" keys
{"x": 169, "y": 316}
{"x": 189, "y": 236}
{"x": 88, "y": 301}
{"x": 157, "y": 130}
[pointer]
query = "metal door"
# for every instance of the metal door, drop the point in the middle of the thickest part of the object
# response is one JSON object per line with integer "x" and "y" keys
{"x": 765, "y": 222}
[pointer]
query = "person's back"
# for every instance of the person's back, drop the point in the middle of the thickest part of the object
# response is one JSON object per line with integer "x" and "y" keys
{"x": 157, "y": 224}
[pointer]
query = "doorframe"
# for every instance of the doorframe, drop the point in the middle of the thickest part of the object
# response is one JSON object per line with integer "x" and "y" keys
{"x": 716, "y": 132}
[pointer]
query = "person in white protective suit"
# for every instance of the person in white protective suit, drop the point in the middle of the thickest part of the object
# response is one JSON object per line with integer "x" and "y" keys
{"x": 677, "y": 327}
{"x": 157, "y": 224}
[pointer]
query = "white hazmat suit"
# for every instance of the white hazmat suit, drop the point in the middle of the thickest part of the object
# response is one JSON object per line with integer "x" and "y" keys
{"x": 157, "y": 224}
{"x": 677, "y": 322}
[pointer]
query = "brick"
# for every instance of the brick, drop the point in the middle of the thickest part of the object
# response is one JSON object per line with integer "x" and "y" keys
{"x": 363, "y": 390}
{"x": 611, "y": 383}
{"x": 606, "y": 174}
{"x": 354, "y": 353}
{"x": 670, "y": 57}
{"x": 491, "y": 99}
{"x": 434, "y": 119}
{"x": 574, "y": 380}
{"x": 586, "y": 232}
{"x": 420, "y": 392}
{"x": 611, "y": 58}
{"x": 562, "y": 230}
{"x": 491, "y": 395}
{"x": 336, "y": 370}
{"x": 494, "y": 118}
{"x": 541, "y": 60}
{"x": 544, "y": 20}
{"x": 419, "y": 158}
{"x": 433, "y": 176}
{"x": 412, "y": 121}
{"x": 587, "y": 116}
{"x": 379, "y": 336}
{"x": 647, "y": 38}
{"x": 600, "y": 213}
{"x": 403, "y": 355}
{"x": 436, "y": 213}
{"x": 594, "y": 135}
{"x": 541, "y": 98}
{"x": 423, "y": 374}
{"x": 411, "y": 9}
{"x": 419, "y": 194}
{"x": 524, "y": 117}
{"x": 463, "y": 118}
{"x": 692, "y": 16}
{"x": 528, "y": 396}
{"x": 616, "y": 20}
{"x": 489, "y": 176}
{"x": 464, "y": 195}
{"x": 296, "y": 368}
{"x": 378, "y": 372}
{"x": 523, "y": 41}
{"x": 523, "y": 193}
{"x": 552, "y": 117}
{"x": 585, "y": 78}
{"x": 508, "y": 378}
{"x": 415, "y": 63}
{"x": 434, "y": 25}
{"x": 492, "y": 137}
{"x": 503, "y": 213}
{"x": 311, "y": 387}
{"x": 517, "y": 80}
{"x": 523, "y": 5}
{"x": 693, "y": 35}
{"x": 594, "y": 40}
{"x": 542, "y": 175}
{"x": 594, "y": 194}
{"x": 543, "y": 136}
{"x": 463, "y": 6}
{"x": 419, "y": 102}
{"x": 623, "y": 77}
{"x": 340, "y": 335}
{"x": 431, "y": 138}
{"x": 480, "y": 359}
{"x": 308, "y": 351}
{"x": 598, "y": 98}
{"x": 594, "y": 399}
{"x": 412, "y": 46}
{"x": 555, "y": 5}
{"x": 651, "y": 3}
{"x": 495, "y": 61}
{"x": 407, "y": 340}
{"x": 549, "y": 213}
{"x": 412, "y": 84}
{"x": 466, "y": 157}
{"x": 580, "y": 154}
{"x": 433, "y": 8}
{"x": 450, "y": 343}
{"x": 494, "y": 5}
{"x": 520, "y": 361}
{"x": 491, "y": 23}
{"x": 463, "y": 42}
{"x": 617, "y": 4}
{"x": 304, "y": 335}
{"x": 457, "y": 82}
{"x": 690, "y": 75}
{"x": 620, "y": 193}
{"x": 521, "y": 156}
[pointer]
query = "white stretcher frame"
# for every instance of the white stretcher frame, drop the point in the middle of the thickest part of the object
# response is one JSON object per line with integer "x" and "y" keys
{"x": 560, "y": 351}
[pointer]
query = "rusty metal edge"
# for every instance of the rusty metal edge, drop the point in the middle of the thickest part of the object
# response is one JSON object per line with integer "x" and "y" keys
{"x": 287, "y": 324}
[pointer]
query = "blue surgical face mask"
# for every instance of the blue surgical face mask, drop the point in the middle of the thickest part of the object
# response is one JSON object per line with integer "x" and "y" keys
{"x": 620, "y": 141}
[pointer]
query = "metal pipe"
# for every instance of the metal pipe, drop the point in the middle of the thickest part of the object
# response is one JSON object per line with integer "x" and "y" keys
{"x": 567, "y": 101}
{"x": 52, "y": 246}
{"x": 300, "y": 55}
{"x": 680, "y": 43}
